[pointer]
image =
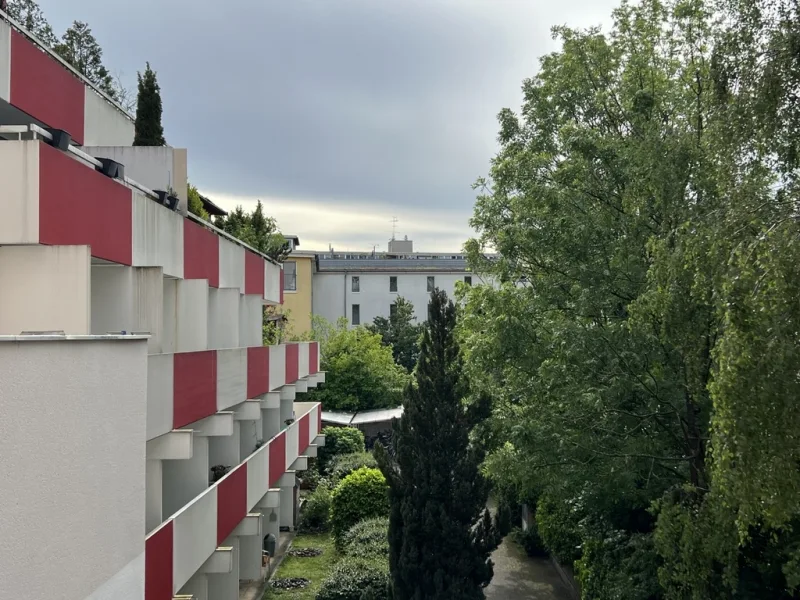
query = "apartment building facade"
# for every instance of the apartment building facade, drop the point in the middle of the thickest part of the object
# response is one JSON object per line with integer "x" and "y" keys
{"x": 150, "y": 443}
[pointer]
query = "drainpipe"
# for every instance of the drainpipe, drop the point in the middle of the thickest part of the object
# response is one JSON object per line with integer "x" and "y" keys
{"x": 344, "y": 296}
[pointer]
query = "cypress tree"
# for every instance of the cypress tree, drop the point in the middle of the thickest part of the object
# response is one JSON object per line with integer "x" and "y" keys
{"x": 148, "y": 128}
{"x": 440, "y": 532}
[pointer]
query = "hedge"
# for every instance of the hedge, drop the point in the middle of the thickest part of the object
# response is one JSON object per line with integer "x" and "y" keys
{"x": 356, "y": 579}
{"x": 368, "y": 539}
{"x": 361, "y": 495}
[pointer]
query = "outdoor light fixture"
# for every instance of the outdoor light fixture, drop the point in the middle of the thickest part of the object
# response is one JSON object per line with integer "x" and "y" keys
{"x": 111, "y": 168}
{"x": 61, "y": 139}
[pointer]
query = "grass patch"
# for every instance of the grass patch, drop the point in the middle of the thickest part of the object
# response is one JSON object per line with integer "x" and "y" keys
{"x": 314, "y": 568}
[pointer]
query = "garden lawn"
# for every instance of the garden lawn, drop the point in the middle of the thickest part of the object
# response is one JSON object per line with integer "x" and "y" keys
{"x": 315, "y": 568}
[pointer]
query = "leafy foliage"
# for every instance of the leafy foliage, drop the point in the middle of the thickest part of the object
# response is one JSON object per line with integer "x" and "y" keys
{"x": 196, "y": 203}
{"x": 642, "y": 351}
{"x": 342, "y": 465}
{"x": 558, "y": 529}
{"x": 400, "y": 332}
{"x": 316, "y": 511}
{"x": 339, "y": 441}
{"x": 368, "y": 539}
{"x": 361, "y": 495}
{"x": 440, "y": 532}
{"x": 79, "y": 48}
{"x": 257, "y": 230}
{"x": 31, "y": 17}
{"x": 356, "y": 579}
{"x": 361, "y": 372}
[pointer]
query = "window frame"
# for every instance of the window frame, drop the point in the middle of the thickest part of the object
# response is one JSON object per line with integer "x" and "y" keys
{"x": 431, "y": 283}
{"x": 468, "y": 279}
{"x": 393, "y": 279}
{"x": 287, "y": 278}
{"x": 355, "y": 309}
{"x": 355, "y": 284}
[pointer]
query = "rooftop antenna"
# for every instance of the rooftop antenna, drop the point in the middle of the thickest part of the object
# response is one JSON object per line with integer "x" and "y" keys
{"x": 394, "y": 227}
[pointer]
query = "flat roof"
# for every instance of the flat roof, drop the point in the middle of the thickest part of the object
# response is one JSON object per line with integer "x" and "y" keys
{"x": 362, "y": 417}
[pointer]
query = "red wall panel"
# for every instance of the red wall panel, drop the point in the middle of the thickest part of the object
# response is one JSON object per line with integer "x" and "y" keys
{"x": 302, "y": 438}
{"x": 257, "y": 371}
{"x": 78, "y": 205}
{"x": 313, "y": 358}
{"x": 194, "y": 387}
{"x": 45, "y": 89}
{"x": 200, "y": 253}
{"x": 158, "y": 564}
{"x": 231, "y": 501}
{"x": 277, "y": 458}
{"x": 253, "y": 273}
{"x": 292, "y": 362}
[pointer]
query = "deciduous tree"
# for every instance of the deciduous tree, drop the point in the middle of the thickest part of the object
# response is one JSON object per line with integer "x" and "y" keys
{"x": 400, "y": 332}
{"x": 31, "y": 17}
{"x": 79, "y": 48}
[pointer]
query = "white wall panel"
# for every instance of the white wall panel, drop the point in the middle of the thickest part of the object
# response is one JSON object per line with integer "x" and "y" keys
{"x": 231, "y": 377}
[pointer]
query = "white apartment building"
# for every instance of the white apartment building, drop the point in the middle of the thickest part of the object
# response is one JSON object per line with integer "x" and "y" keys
{"x": 362, "y": 286}
{"x": 149, "y": 442}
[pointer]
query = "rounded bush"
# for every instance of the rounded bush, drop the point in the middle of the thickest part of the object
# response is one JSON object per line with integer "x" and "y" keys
{"x": 341, "y": 466}
{"x": 356, "y": 579}
{"x": 368, "y": 539}
{"x": 316, "y": 510}
{"x": 339, "y": 440}
{"x": 361, "y": 495}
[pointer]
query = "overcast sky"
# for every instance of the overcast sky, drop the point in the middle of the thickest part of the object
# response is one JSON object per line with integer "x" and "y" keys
{"x": 337, "y": 114}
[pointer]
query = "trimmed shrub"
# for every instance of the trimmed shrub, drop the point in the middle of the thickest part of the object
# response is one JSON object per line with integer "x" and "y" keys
{"x": 356, "y": 579}
{"x": 341, "y": 466}
{"x": 339, "y": 440}
{"x": 368, "y": 539}
{"x": 530, "y": 541}
{"x": 316, "y": 510}
{"x": 361, "y": 495}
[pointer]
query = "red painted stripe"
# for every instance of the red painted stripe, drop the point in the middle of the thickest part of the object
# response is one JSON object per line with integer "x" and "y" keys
{"x": 231, "y": 501}
{"x": 158, "y": 564}
{"x": 79, "y": 206}
{"x": 277, "y": 458}
{"x": 194, "y": 386}
{"x": 45, "y": 89}
{"x": 292, "y": 363}
{"x": 281, "y": 286}
{"x": 313, "y": 358}
{"x": 257, "y": 371}
{"x": 200, "y": 253}
{"x": 302, "y": 438}
{"x": 253, "y": 274}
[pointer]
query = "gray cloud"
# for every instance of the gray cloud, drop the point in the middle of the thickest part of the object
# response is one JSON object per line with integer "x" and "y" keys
{"x": 386, "y": 105}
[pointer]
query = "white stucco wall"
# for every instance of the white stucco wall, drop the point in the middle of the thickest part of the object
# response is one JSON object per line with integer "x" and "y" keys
{"x": 19, "y": 191}
{"x": 5, "y": 61}
{"x": 250, "y": 319}
{"x": 195, "y": 536}
{"x": 231, "y": 265}
{"x": 104, "y": 124}
{"x": 157, "y": 236}
{"x": 44, "y": 288}
{"x": 73, "y": 430}
{"x": 333, "y": 296}
{"x": 231, "y": 377}
{"x": 191, "y": 315}
{"x": 160, "y": 392}
{"x": 223, "y": 318}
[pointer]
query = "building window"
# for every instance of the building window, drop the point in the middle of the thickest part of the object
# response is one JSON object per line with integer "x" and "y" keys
{"x": 290, "y": 276}
{"x": 355, "y": 284}
{"x": 392, "y": 309}
{"x": 468, "y": 279}
{"x": 392, "y": 284}
{"x": 356, "y": 314}
{"x": 431, "y": 284}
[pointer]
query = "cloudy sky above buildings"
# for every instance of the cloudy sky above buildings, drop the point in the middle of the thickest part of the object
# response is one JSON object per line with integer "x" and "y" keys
{"x": 338, "y": 114}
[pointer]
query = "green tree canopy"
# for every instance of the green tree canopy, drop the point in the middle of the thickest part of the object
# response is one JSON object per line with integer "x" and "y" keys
{"x": 79, "y": 48}
{"x": 440, "y": 531}
{"x": 257, "y": 230}
{"x": 31, "y": 17}
{"x": 400, "y": 332}
{"x": 361, "y": 372}
{"x": 642, "y": 353}
{"x": 148, "y": 128}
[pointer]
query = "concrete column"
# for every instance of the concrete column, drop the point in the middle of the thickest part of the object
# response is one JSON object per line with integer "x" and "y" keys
{"x": 250, "y": 547}
{"x": 271, "y": 423}
{"x": 153, "y": 495}
{"x": 286, "y": 412}
{"x": 225, "y": 586}
{"x": 197, "y": 586}
{"x": 224, "y": 450}
{"x": 287, "y": 504}
{"x": 185, "y": 479}
{"x": 271, "y": 523}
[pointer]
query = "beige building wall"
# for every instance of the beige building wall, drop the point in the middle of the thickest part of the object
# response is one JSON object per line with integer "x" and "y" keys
{"x": 297, "y": 303}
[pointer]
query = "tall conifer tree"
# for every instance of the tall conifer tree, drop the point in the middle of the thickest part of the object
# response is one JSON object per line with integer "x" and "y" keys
{"x": 148, "y": 128}
{"x": 440, "y": 533}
